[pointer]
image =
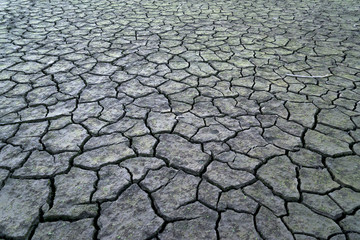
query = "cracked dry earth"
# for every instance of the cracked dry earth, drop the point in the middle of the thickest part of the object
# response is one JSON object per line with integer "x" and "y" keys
{"x": 177, "y": 119}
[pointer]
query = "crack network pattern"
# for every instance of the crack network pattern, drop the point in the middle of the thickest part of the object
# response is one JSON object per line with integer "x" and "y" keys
{"x": 149, "y": 119}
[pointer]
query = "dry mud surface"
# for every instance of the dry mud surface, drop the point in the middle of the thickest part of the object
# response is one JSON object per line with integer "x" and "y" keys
{"x": 179, "y": 119}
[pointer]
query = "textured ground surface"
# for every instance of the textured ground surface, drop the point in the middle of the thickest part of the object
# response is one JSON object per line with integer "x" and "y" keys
{"x": 176, "y": 120}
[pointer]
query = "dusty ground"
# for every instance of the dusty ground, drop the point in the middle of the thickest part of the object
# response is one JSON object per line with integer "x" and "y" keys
{"x": 178, "y": 119}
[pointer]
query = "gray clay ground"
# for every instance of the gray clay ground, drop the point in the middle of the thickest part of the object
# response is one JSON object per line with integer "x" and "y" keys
{"x": 151, "y": 119}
